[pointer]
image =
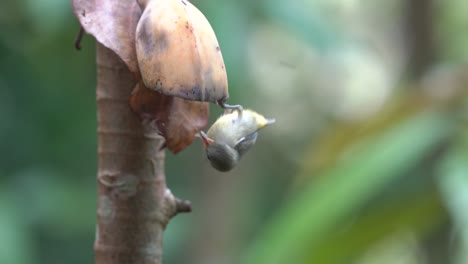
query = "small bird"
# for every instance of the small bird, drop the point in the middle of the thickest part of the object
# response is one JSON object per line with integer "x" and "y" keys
{"x": 231, "y": 136}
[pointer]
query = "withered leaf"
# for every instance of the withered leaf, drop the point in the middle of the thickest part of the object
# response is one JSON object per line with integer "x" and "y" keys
{"x": 113, "y": 24}
{"x": 178, "y": 53}
{"x": 176, "y": 119}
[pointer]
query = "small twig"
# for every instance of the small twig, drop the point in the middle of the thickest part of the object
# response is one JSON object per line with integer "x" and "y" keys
{"x": 183, "y": 206}
{"x": 78, "y": 38}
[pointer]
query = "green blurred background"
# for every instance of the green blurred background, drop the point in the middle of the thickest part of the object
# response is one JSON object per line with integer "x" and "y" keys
{"x": 368, "y": 161}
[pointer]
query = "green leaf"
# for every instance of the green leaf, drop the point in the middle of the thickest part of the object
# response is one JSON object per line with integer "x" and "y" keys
{"x": 16, "y": 244}
{"x": 418, "y": 212}
{"x": 320, "y": 206}
{"x": 453, "y": 183}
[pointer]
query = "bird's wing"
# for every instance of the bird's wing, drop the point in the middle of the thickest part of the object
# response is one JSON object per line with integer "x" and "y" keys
{"x": 245, "y": 143}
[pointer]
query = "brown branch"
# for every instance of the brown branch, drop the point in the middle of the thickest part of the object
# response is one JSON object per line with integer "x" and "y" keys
{"x": 420, "y": 35}
{"x": 183, "y": 206}
{"x": 180, "y": 206}
{"x": 134, "y": 204}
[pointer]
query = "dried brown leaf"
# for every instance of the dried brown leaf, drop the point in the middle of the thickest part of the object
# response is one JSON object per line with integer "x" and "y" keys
{"x": 178, "y": 52}
{"x": 113, "y": 23}
{"x": 176, "y": 119}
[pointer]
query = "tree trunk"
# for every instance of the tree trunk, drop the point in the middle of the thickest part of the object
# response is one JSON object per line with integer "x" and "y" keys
{"x": 134, "y": 205}
{"x": 420, "y": 35}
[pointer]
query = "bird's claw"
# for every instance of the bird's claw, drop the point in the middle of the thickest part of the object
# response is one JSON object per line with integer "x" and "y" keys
{"x": 229, "y": 108}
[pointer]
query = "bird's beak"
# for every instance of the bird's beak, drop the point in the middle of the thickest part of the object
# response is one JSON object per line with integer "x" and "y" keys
{"x": 266, "y": 122}
{"x": 270, "y": 121}
{"x": 206, "y": 140}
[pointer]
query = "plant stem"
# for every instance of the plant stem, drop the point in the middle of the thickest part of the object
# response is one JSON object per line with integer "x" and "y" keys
{"x": 134, "y": 205}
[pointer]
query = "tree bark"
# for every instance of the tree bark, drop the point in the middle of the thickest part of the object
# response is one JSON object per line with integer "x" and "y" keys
{"x": 134, "y": 204}
{"x": 420, "y": 35}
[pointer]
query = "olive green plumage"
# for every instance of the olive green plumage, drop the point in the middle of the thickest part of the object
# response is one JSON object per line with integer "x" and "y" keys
{"x": 231, "y": 136}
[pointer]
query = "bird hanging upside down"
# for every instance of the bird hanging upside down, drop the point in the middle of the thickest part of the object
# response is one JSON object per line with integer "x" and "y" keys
{"x": 232, "y": 135}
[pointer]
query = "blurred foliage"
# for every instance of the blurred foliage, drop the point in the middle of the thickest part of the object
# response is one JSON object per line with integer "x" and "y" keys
{"x": 354, "y": 180}
{"x": 363, "y": 165}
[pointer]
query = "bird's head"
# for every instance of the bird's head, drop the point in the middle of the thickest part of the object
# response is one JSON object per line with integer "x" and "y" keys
{"x": 221, "y": 156}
